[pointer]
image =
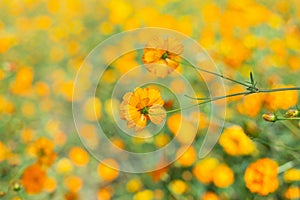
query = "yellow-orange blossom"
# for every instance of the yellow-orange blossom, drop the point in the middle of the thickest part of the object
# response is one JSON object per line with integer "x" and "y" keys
{"x": 139, "y": 106}
{"x": 261, "y": 176}
{"x": 161, "y": 56}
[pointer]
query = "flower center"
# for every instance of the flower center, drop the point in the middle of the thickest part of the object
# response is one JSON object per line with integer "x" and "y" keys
{"x": 41, "y": 153}
{"x": 165, "y": 55}
{"x": 144, "y": 110}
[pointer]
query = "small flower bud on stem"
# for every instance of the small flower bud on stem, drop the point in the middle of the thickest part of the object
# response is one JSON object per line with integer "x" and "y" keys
{"x": 269, "y": 117}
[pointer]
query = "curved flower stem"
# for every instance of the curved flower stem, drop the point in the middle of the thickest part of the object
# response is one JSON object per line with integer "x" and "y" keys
{"x": 207, "y": 100}
{"x": 215, "y": 74}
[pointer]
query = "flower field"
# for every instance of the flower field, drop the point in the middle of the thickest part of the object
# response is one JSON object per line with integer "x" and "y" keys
{"x": 149, "y": 99}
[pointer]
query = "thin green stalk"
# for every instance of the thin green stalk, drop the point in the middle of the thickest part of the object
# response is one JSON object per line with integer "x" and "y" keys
{"x": 278, "y": 90}
{"x": 246, "y": 93}
{"x": 215, "y": 74}
{"x": 285, "y": 118}
{"x": 292, "y": 128}
{"x": 207, "y": 100}
{"x": 286, "y": 167}
{"x": 278, "y": 145}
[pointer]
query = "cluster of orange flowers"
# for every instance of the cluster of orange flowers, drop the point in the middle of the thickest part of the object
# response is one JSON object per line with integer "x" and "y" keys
{"x": 34, "y": 176}
{"x": 210, "y": 170}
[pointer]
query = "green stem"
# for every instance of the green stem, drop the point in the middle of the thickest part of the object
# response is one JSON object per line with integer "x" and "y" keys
{"x": 215, "y": 74}
{"x": 285, "y": 167}
{"x": 292, "y": 128}
{"x": 278, "y": 145}
{"x": 291, "y": 118}
{"x": 246, "y": 93}
{"x": 278, "y": 90}
{"x": 207, "y": 100}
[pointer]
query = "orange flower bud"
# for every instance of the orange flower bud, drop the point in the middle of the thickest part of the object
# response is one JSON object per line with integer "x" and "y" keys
{"x": 269, "y": 117}
{"x": 292, "y": 113}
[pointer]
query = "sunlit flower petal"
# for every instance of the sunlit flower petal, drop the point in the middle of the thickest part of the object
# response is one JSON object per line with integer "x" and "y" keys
{"x": 141, "y": 105}
{"x": 161, "y": 56}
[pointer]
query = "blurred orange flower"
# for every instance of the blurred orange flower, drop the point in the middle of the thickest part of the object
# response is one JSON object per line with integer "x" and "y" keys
{"x": 79, "y": 156}
{"x": 186, "y": 156}
{"x": 274, "y": 101}
{"x": 104, "y": 193}
{"x": 223, "y": 176}
{"x": 134, "y": 185}
{"x": 143, "y": 195}
{"x": 141, "y": 105}
{"x": 161, "y": 56}
{"x": 73, "y": 183}
{"x": 178, "y": 187}
{"x": 43, "y": 149}
{"x": 33, "y": 179}
{"x": 4, "y": 152}
{"x": 71, "y": 196}
{"x": 204, "y": 170}
{"x": 23, "y": 81}
{"x": 292, "y": 192}
{"x": 261, "y": 176}
{"x": 157, "y": 175}
{"x": 235, "y": 142}
{"x": 291, "y": 175}
{"x": 106, "y": 172}
{"x": 209, "y": 196}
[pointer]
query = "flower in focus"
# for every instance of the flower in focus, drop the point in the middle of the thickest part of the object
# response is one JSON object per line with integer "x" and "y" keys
{"x": 261, "y": 176}
{"x": 33, "y": 179}
{"x": 161, "y": 56}
{"x": 141, "y": 105}
{"x": 235, "y": 142}
{"x": 43, "y": 149}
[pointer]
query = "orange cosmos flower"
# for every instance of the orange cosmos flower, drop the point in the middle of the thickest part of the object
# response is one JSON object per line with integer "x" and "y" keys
{"x": 292, "y": 192}
{"x": 160, "y": 52}
{"x": 235, "y": 142}
{"x": 33, "y": 179}
{"x": 43, "y": 149}
{"x": 261, "y": 176}
{"x": 139, "y": 106}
